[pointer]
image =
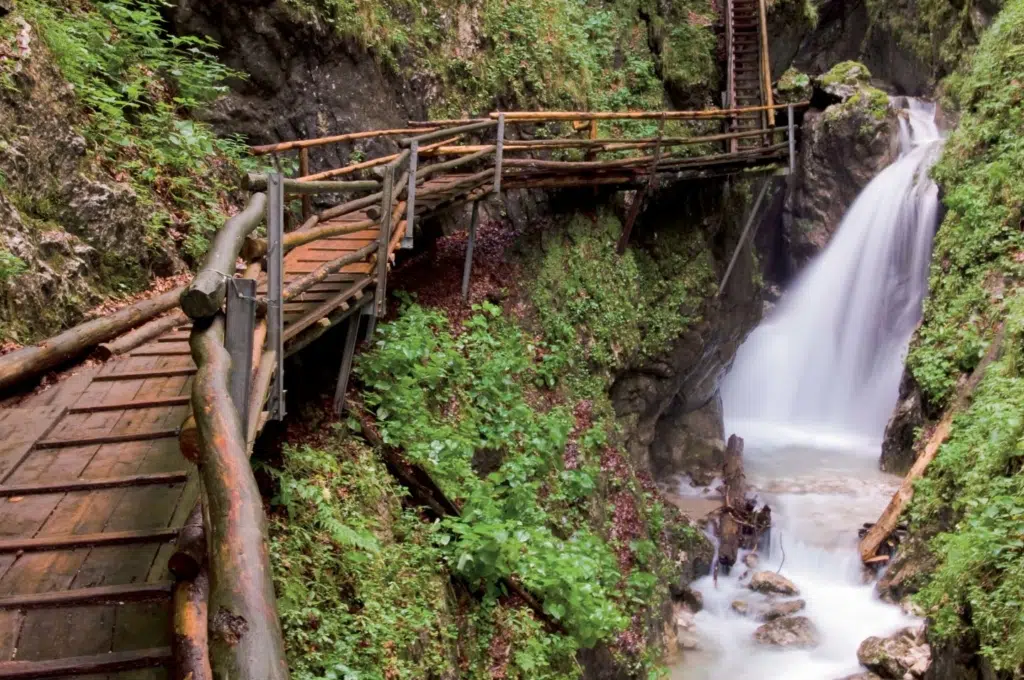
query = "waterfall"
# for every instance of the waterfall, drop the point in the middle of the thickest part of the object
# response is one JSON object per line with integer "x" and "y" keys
{"x": 810, "y": 386}
{"x": 825, "y": 367}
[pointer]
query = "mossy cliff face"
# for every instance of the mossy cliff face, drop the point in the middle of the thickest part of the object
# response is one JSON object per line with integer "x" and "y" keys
{"x": 909, "y": 44}
{"x": 104, "y": 181}
{"x": 318, "y": 67}
{"x": 966, "y": 523}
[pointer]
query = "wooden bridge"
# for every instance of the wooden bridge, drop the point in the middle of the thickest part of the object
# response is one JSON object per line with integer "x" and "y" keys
{"x": 119, "y": 555}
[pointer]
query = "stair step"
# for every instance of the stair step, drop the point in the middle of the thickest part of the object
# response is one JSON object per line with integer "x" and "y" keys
{"x": 129, "y": 592}
{"x": 85, "y": 665}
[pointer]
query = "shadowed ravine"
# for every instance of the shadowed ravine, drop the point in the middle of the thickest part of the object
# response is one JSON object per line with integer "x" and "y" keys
{"x": 810, "y": 391}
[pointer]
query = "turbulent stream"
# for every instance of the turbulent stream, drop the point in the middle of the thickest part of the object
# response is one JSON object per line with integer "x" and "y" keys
{"x": 810, "y": 392}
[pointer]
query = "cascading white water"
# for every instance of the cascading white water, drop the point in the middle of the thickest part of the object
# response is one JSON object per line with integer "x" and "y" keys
{"x": 827, "y": 363}
{"x": 810, "y": 392}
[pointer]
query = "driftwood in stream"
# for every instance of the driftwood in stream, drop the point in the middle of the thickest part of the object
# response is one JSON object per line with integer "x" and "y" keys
{"x": 30, "y": 362}
{"x": 245, "y": 634}
{"x": 889, "y": 520}
{"x": 426, "y": 493}
{"x": 205, "y": 295}
{"x": 189, "y": 644}
{"x": 741, "y": 523}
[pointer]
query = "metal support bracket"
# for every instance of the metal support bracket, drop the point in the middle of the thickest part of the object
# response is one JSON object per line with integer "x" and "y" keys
{"x": 275, "y": 283}
{"x": 238, "y": 336}
{"x": 791, "y": 127}
{"x": 467, "y": 269}
{"x": 351, "y": 338}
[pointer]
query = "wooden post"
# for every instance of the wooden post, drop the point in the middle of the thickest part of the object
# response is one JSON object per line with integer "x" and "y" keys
{"x": 190, "y": 643}
{"x": 410, "y": 200}
{"x": 730, "y": 73}
{"x": 241, "y": 322}
{"x": 468, "y": 267}
{"x": 498, "y": 152}
{"x": 351, "y": 337}
{"x": 385, "y": 237}
{"x": 275, "y": 284}
{"x": 766, "y": 67}
{"x": 307, "y": 202}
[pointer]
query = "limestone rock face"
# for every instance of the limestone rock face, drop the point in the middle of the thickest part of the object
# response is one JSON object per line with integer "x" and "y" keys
{"x": 843, "y": 148}
{"x": 903, "y": 655}
{"x": 789, "y": 631}
{"x": 898, "y": 453}
{"x": 770, "y": 582}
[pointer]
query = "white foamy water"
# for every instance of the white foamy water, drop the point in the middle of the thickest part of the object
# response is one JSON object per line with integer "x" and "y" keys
{"x": 810, "y": 392}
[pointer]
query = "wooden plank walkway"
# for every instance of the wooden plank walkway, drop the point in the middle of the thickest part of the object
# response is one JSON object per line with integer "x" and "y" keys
{"x": 93, "y": 491}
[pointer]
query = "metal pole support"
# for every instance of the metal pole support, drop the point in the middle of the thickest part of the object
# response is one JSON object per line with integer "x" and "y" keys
{"x": 275, "y": 283}
{"x": 238, "y": 336}
{"x": 351, "y": 338}
{"x": 499, "y": 151}
{"x": 468, "y": 267}
{"x": 410, "y": 210}
{"x": 791, "y": 128}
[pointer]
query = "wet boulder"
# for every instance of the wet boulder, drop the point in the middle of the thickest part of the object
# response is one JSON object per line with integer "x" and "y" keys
{"x": 768, "y": 611}
{"x": 789, "y": 631}
{"x": 903, "y": 655}
{"x": 770, "y": 582}
{"x": 866, "y": 675}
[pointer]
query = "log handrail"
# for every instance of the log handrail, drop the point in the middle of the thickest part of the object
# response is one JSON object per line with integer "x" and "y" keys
{"x": 334, "y": 139}
{"x": 205, "y": 295}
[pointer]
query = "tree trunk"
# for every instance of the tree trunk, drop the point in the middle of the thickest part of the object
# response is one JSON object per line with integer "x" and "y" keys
{"x": 730, "y": 530}
{"x": 245, "y": 634}
{"x": 141, "y": 335}
{"x": 32, "y": 361}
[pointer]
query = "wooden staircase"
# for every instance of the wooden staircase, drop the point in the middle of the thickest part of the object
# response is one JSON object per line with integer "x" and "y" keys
{"x": 748, "y": 81}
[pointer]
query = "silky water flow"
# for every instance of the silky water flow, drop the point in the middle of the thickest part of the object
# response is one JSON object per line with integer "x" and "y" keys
{"x": 810, "y": 392}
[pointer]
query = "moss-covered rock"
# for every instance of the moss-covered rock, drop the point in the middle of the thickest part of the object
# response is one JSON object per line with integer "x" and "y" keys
{"x": 844, "y": 147}
{"x": 793, "y": 87}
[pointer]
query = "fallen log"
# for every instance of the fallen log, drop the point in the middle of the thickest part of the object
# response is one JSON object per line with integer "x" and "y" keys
{"x": 189, "y": 645}
{"x": 32, "y": 361}
{"x": 205, "y": 295}
{"x": 245, "y": 633}
{"x": 141, "y": 335}
{"x": 889, "y": 520}
{"x": 735, "y": 506}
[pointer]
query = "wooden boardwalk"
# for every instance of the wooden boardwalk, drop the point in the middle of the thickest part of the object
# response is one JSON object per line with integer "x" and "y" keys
{"x": 94, "y": 490}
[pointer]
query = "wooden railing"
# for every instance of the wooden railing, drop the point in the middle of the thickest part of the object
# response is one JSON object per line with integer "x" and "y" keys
{"x": 239, "y": 337}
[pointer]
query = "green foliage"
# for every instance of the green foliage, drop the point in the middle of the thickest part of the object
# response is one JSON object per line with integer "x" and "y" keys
{"x": 534, "y": 53}
{"x": 10, "y": 265}
{"x": 975, "y": 487}
{"x": 607, "y": 311}
{"x": 979, "y": 248}
{"x": 140, "y": 84}
{"x": 446, "y": 400}
{"x": 362, "y": 593}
